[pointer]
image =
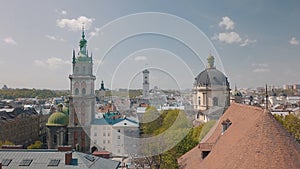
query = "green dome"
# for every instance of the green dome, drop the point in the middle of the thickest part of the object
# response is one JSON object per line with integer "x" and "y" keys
{"x": 65, "y": 110}
{"x": 237, "y": 93}
{"x": 58, "y": 119}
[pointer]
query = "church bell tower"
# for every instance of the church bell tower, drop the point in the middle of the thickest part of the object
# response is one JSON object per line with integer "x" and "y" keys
{"x": 82, "y": 98}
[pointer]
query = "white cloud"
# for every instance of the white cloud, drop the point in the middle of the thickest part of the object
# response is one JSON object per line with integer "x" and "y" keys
{"x": 227, "y": 23}
{"x": 260, "y": 67}
{"x": 98, "y": 61}
{"x": 294, "y": 41}
{"x": 52, "y": 63}
{"x": 75, "y": 24}
{"x": 10, "y": 41}
{"x": 228, "y": 37}
{"x": 63, "y": 12}
{"x": 231, "y": 37}
{"x": 247, "y": 42}
{"x": 57, "y": 38}
{"x": 95, "y": 32}
{"x": 140, "y": 58}
{"x": 260, "y": 70}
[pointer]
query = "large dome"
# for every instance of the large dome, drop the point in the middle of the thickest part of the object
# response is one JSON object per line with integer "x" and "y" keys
{"x": 58, "y": 119}
{"x": 211, "y": 77}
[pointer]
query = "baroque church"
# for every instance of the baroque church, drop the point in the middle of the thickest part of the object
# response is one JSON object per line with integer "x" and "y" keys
{"x": 211, "y": 93}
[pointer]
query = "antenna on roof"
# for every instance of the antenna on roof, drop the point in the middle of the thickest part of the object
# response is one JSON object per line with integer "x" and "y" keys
{"x": 267, "y": 97}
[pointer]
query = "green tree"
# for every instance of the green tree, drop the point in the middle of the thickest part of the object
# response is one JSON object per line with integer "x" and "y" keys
{"x": 36, "y": 145}
{"x": 6, "y": 142}
{"x": 291, "y": 123}
{"x": 175, "y": 124}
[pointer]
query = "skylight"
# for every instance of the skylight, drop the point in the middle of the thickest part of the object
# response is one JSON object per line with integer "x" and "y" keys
{"x": 54, "y": 162}
{"x": 6, "y": 162}
{"x": 90, "y": 158}
{"x": 25, "y": 162}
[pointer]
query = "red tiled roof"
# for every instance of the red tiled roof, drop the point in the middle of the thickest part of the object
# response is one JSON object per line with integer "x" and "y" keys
{"x": 107, "y": 108}
{"x": 253, "y": 140}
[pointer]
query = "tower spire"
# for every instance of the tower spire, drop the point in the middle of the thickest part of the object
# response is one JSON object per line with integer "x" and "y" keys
{"x": 73, "y": 61}
{"x": 83, "y": 36}
{"x": 82, "y": 43}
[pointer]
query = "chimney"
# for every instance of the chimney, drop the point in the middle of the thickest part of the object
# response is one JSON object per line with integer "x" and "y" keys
{"x": 64, "y": 148}
{"x": 225, "y": 125}
{"x": 68, "y": 158}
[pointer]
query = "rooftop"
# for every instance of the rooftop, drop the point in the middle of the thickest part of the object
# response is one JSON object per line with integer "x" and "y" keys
{"x": 38, "y": 159}
{"x": 253, "y": 140}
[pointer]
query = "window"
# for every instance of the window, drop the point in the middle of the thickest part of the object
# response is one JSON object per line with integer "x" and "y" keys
{"x": 6, "y": 162}
{"x": 199, "y": 100}
{"x": 119, "y": 137}
{"x": 83, "y": 91}
{"x": 205, "y": 154}
{"x": 90, "y": 158}
{"x": 125, "y": 124}
{"x": 25, "y": 162}
{"x": 55, "y": 139}
{"x": 54, "y": 162}
{"x": 104, "y": 134}
{"x": 215, "y": 101}
{"x": 119, "y": 130}
{"x": 83, "y": 69}
{"x": 108, "y": 141}
{"x": 76, "y": 91}
{"x": 104, "y": 142}
{"x": 95, "y": 134}
{"x": 108, "y": 134}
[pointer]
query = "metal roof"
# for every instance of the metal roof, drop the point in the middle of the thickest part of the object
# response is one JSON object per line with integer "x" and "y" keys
{"x": 38, "y": 159}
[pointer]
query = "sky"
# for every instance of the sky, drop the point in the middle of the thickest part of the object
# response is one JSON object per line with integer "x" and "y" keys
{"x": 254, "y": 42}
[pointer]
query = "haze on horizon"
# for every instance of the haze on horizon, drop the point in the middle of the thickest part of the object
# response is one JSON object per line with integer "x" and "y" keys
{"x": 255, "y": 42}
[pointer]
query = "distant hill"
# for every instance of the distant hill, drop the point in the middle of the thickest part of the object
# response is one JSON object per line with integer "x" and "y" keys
{"x": 31, "y": 93}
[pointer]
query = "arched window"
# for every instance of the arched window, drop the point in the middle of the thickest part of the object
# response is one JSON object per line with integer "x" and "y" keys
{"x": 83, "y": 69}
{"x": 55, "y": 139}
{"x": 215, "y": 101}
{"x": 83, "y": 91}
{"x": 94, "y": 149}
{"x": 199, "y": 100}
{"x": 76, "y": 91}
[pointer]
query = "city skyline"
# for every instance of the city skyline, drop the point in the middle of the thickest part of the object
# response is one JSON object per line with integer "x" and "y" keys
{"x": 254, "y": 42}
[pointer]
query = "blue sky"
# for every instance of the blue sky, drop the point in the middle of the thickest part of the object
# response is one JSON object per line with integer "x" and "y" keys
{"x": 254, "y": 42}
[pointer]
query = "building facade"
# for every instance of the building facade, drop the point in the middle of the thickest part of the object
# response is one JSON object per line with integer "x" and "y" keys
{"x": 113, "y": 133}
{"x": 19, "y": 125}
{"x": 82, "y": 98}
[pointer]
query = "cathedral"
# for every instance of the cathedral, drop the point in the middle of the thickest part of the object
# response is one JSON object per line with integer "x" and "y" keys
{"x": 211, "y": 93}
{"x": 82, "y": 98}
